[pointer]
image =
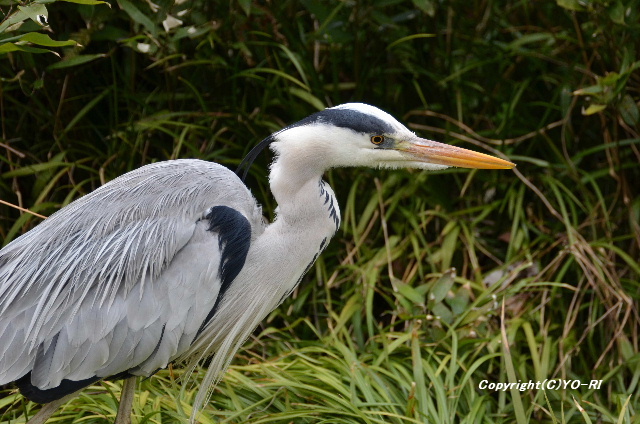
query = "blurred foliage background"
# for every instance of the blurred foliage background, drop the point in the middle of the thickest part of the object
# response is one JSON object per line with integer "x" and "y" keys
{"x": 437, "y": 281}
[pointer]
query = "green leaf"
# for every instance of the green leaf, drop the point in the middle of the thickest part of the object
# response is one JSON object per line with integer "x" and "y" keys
{"x": 139, "y": 17}
{"x": 570, "y": 5}
{"x": 246, "y": 6}
{"x": 307, "y": 97}
{"x": 10, "y": 47}
{"x": 427, "y": 6}
{"x": 451, "y": 232}
{"x": 45, "y": 40}
{"x": 459, "y": 301}
{"x": 628, "y": 109}
{"x": 624, "y": 411}
{"x": 254, "y": 72}
{"x": 587, "y": 91}
{"x": 34, "y": 169}
{"x": 442, "y": 312}
{"x": 38, "y": 84}
{"x": 610, "y": 79}
{"x": 442, "y": 286}
{"x": 408, "y": 38}
{"x": 536, "y": 37}
{"x": 75, "y": 61}
{"x": 616, "y": 12}
{"x": 409, "y": 292}
{"x": 594, "y": 108}
{"x": 16, "y": 17}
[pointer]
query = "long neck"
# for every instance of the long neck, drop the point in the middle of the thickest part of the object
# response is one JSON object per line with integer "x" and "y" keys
{"x": 307, "y": 217}
{"x": 303, "y": 198}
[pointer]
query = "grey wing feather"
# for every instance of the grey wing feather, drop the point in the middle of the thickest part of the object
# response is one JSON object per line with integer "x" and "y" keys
{"x": 120, "y": 279}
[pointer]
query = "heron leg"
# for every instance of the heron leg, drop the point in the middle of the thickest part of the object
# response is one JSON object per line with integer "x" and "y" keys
{"x": 126, "y": 401}
{"x": 49, "y": 409}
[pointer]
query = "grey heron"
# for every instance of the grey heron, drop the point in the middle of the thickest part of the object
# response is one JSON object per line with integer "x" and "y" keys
{"x": 174, "y": 260}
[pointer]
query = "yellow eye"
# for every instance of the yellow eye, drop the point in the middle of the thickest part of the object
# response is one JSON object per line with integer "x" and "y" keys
{"x": 377, "y": 139}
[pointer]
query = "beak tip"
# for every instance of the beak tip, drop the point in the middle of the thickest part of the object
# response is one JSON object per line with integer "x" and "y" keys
{"x": 490, "y": 162}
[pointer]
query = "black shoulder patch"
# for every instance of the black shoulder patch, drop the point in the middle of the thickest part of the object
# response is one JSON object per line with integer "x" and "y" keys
{"x": 234, "y": 239}
{"x": 348, "y": 118}
{"x": 66, "y": 387}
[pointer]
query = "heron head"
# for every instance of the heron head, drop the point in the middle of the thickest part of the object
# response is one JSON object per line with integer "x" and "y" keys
{"x": 357, "y": 134}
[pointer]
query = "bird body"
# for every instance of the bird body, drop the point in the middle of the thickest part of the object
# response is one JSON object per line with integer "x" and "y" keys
{"x": 101, "y": 287}
{"x": 174, "y": 261}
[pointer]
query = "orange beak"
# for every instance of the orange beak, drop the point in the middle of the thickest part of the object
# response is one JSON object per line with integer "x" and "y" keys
{"x": 423, "y": 150}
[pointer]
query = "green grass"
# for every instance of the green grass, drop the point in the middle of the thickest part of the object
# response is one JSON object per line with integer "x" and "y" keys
{"x": 382, "y": 329}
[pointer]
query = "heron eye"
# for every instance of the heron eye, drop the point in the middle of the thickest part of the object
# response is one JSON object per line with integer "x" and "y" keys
{"x": 377, "y": 139}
